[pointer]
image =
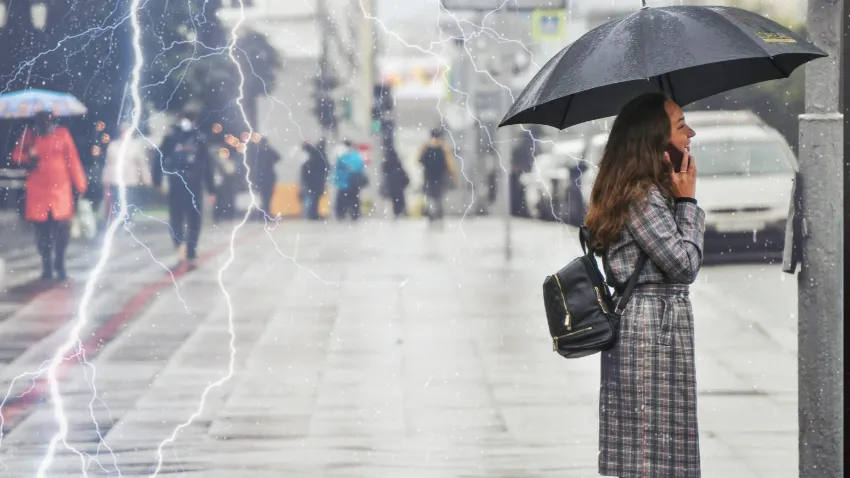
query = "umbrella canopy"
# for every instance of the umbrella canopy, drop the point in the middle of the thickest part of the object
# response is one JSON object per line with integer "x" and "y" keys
{"x": 687, "y": 52}
{"x": 25, "y": 104}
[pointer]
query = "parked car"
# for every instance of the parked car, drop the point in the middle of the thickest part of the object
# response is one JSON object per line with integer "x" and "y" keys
{"x": 699, "y": 120}
{"x": 745, "y": 173}
{"x": 745, "y": 181}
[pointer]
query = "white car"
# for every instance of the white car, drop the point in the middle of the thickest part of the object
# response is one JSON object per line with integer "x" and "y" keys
{"x": 695, "y": 119}
{"x": 745, "y": 176}
{"x": 547, "y": 183}
{"x": 745, "y": 179}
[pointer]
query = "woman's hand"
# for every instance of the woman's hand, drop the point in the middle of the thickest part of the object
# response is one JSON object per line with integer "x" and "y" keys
{"x": 684, "y": 182}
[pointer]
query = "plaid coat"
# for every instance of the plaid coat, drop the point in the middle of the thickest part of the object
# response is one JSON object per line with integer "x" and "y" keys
{"x": 647, "y": 400}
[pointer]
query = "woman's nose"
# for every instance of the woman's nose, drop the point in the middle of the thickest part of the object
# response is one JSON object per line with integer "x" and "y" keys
{"x": 691, "y": 133}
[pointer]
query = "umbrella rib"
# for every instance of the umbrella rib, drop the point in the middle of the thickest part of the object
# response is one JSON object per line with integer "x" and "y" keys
{"x": 643, "y": 44}
{"x": 566, "y": 111}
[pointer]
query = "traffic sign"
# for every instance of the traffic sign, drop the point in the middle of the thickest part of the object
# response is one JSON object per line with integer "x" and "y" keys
{"x": 547, "y": 25}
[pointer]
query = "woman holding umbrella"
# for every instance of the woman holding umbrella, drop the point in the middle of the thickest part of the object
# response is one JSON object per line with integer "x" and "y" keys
{"x": 50, "y": 156}
{"x": 642, "y": 202}
{"x": 648, "y": 402}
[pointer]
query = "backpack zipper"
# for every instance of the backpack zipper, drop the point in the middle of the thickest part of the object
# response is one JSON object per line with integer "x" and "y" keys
{"x": 555, "y": 339}
{"x": 579, "y": 331}
{"x": 567, "y": 321}
{"x": 599, "y": 299}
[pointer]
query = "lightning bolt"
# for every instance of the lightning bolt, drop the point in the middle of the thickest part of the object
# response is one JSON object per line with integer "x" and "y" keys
{"x": 62, "y": 354}
{"x": 230, "y": 325}
{"x": 465, "y": 37}
{"x": 82, "y": 314}
{"x": 501, "y": 39}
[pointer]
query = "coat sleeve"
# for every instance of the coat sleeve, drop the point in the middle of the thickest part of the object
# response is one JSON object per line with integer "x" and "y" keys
{"x": 165, "y": 149}
{"x": 20, "y": 153}
{"x": 672, "y": 240}
{"x": 143, "y": 156}
{"x": 106, "y": 173}
{"x": 75, "y": 166}
{"x": 273, "y": 155}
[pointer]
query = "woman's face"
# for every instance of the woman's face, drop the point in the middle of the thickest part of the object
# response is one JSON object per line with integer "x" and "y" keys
{"x": 680, "y": 132}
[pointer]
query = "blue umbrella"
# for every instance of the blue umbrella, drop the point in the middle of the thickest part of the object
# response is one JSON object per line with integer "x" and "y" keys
{"x": 25, "y": 104}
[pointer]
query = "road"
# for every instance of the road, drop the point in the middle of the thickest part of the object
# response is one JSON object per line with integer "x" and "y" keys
{"x": 374, "y": 349}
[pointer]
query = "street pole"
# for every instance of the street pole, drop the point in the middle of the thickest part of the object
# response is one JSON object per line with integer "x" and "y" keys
{"x": 368, "y": 73}
{"x": 505, "y": 153}
{"x": 820, "y": 280}
{"x": 367, "y": 65}
{"x": 322, "y": 18}
{"x": 503, "y": 72}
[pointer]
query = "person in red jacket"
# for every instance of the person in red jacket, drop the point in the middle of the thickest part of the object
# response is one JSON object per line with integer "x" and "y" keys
{"x": 53, "y": 164}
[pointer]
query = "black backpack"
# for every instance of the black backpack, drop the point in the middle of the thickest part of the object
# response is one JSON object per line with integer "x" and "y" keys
{"x": 581, "y": 313}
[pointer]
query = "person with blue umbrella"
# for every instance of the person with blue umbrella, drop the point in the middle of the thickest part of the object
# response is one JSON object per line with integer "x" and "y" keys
{"x": 48, "y": 153}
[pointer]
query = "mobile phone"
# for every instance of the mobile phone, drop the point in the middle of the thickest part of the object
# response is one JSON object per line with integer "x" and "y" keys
{"x": 676, "y": 157}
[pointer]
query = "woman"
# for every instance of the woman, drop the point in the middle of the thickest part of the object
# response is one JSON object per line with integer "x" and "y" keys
{"x": 647, "y": 401}
{"x": 49, "y": 154}
{"x": 135, "y": 176}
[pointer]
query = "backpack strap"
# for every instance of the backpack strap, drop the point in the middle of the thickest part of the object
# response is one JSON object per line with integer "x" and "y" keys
{"x": 587, "y": 248}
{"x": 584, "y": 239}
{"x": 630, "y": 286}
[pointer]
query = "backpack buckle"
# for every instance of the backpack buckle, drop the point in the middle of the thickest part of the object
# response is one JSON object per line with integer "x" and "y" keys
{"x": 617, "y": 309}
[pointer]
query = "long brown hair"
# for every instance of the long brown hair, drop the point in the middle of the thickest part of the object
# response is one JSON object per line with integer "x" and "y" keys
{"x": 632, "y": 162}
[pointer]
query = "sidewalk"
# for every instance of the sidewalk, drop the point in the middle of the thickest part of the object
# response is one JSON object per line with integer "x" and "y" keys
{"x": 386, "y": 349}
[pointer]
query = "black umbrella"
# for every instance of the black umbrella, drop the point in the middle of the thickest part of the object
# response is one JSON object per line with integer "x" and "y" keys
{"x": 688, "y": 52}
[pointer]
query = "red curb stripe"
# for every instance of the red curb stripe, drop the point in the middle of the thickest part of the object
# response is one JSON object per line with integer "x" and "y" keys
{"x": 17, "y": 408}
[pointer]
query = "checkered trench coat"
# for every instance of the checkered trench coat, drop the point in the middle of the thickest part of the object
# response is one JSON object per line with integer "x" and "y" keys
{"x": 647, "y": 399}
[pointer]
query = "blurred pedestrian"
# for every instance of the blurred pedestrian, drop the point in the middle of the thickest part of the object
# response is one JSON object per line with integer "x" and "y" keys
{"x": 349, "y": 179}
{"x": 228, "y": 169}
{"x": 396, "y": 179}
{"x": 136, "y": 174}
{"x": 50, "y": 156}
{"x": 648, "y": 395}
{"x": 314, "y": 174}
{"x": 263, "y": 177}
{"x": 438, "y": 173}
{"x": 189, "y": 166}
{"x": 522, "y": 161}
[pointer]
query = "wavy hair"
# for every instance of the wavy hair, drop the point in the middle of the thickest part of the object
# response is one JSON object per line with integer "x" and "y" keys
{"x": 632, "y": 162}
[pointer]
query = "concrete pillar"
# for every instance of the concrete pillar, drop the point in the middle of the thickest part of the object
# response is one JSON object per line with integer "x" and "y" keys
{"x": 820, "y": 281}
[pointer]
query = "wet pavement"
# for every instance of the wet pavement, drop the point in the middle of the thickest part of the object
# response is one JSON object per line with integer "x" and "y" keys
{"x": 374, "y": 349}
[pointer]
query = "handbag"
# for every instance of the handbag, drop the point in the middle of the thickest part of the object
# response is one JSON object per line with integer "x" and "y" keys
{"x": 580, "y": 310}
{"x": 86, "y": 218}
